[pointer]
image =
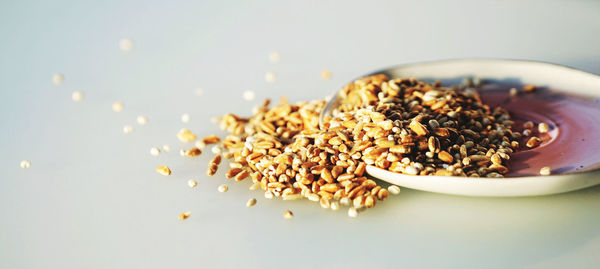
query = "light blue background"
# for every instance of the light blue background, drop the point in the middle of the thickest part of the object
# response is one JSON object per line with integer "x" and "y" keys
{"x": 91, "y": 198}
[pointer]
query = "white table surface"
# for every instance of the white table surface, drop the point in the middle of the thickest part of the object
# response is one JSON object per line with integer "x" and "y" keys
{"x": 91, "y": 198}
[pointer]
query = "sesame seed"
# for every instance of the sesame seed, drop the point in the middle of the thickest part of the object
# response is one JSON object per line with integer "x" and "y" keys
{"x": 154, "y": 151}
{"x": 192, "y": 183}
{"x": 117, "y": 106}
{"x": 274, "y": 57}
{"x": 184, "y": 215}
{"x": 251, "y": 202}
{"x": 77, "y": 96}
{"x": 545, "y": 171}
{"x": 166, "y": 148}
{"x": 543, "y": 127}
{"x": 352, "y": 212}
{"x": 25, "y": 164}
{"x": 270, "y": 77}
{"x": 393, "y": 189}
{"x": 249, "y": 95}
{"x": 223, "y": 188}
{"x": 58, "y": 78}
{"x": 199, "y": 91}
{"x": 185, "y": 135}
{"x": 288, "y": 214}
{"x": 127, "y": 129}
{"x": 142, "y": 120}
{"x": 163, "y": 170}
{"x": 325, "y": 74}
{"x": 126, "y": 44}
{"x": 185, "y": 118}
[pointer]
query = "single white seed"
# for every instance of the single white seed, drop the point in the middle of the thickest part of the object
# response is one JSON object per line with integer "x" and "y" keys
{"x": 192, "y": 183}
{"x": 127, "y": 129}
{"x": 58, "y": 78}
{"x": 543, "y": 127}
{"x": 248, "y": 95}
{"x": 251, "y": 202}
{"x": 166, "y": 148}
{"x": 117, "y": 106}
{"x": 185, "y": 118}
{"x": 313, "y": 197}
{"x": 545, "y": 171}
{"x": 77, "y": 96}
{"x": 513, "y": 92}
{"x": 25, "y": 164}
{"x": 223, "y": 188}
{"x": 142, "y": 120}
{"x": 199, "y": 91}
{"x": 126, "y": 44}
{"x": 393, "y": 189}
{"x": 154, "y": 151}
{"x": 270, "y": 77}
{"x": 288, "y": 214}
{"x": 352, "y": 212}
{"x": 274, "y": 57}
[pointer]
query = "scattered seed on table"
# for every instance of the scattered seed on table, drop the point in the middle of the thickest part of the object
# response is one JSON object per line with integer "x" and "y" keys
{"x": 274, "y": 57}
{"x": 163, "y": 170}
{"x": 216, "y": 150}
{"x": 77, "y": 96}
{"x": 393, "y": 189}
{"x": 200, "y": 144}
{"x": 545, "y": 171}
{"x": 325, "y": 74}
{"x": 25, "y": 164}
{"x": 117, "y": 106}
{"x": 184, "y": 215}
{"x": 288, "y": 214}
{"x": 352, "y": 212}
{"x": 154, "y": 151}
{"x": 185, "y": 135}
{"x": 166, "y": 148}
{"x": 543, "y": 127}
{"x": 185, "y": 118}
{"x": 192, "y": 183}
{"x": 141, "y": 120}
{"x": 533, "y": 142}
{"x": 223, "y": 188}
{"x": 248, "y": 95}
{"x": 58, "y": 78}
{"x": 126, "y": 44}
{"x": 513, "y": 92}
{"x": 211, "y": 139}
{"x": 251, "y": 202}
{"x": 127, "y": 129}
{"x": 270, "y": 77}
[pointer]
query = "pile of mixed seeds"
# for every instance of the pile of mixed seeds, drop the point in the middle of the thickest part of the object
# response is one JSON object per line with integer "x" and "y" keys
{"x": 402, "y": 125}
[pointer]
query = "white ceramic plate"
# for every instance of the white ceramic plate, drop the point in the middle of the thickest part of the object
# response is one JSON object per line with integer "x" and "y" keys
{"x": 567, "y": 80}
